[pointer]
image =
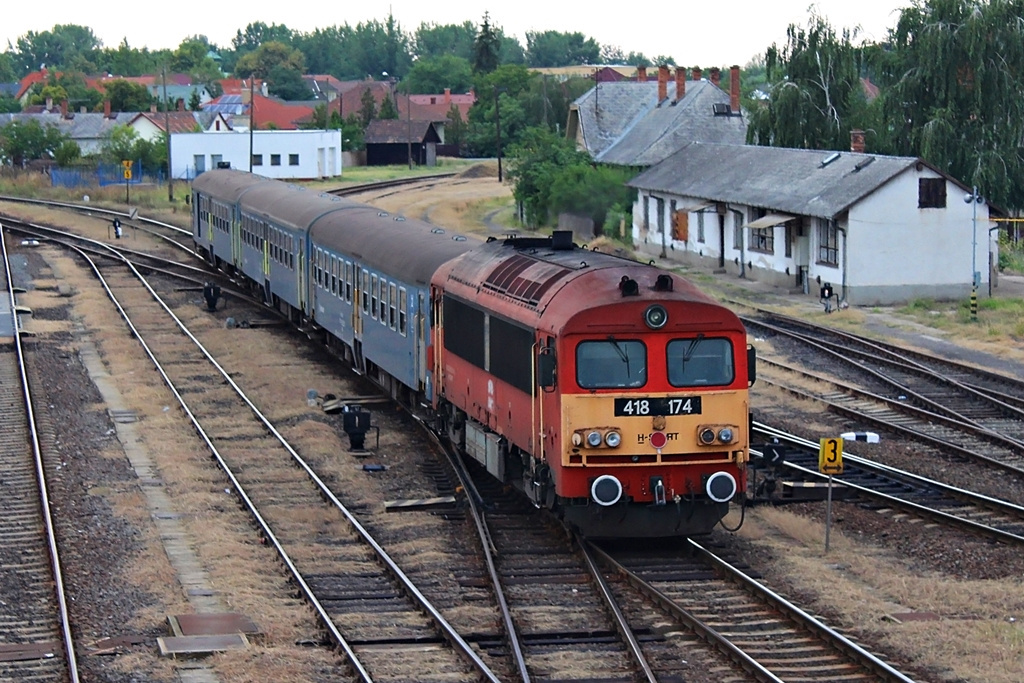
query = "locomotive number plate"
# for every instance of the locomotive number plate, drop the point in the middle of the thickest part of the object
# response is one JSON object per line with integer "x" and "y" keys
{"x": 633, "y": 407}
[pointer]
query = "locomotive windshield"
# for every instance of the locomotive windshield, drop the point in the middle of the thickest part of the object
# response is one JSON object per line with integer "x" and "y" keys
{"x": 700, "y": 362}
{"x": 611, "y": 363}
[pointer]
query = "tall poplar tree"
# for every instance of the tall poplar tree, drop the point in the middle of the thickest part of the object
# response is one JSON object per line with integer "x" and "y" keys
{"x": 955, "y": 96}
{"x": 815, "y": 94}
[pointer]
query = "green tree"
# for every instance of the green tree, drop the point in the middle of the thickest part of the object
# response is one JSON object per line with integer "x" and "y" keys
{"x": 500, "y": 100}
{"x": 327, "y": 51}
{"x": 534, "y": 163}
{"x": 67, "y": 153}
{"x": 377, "y": 47}
{"x": 486, "y": 47}
{"x": 815, "y": 93}
{"x": 8, "y": 74}
{"x": 23, "y": 141}
{"x": 128, "y": 61}
{"x": 433, "y": 41}
{"x": 367, "y": 107}
{"x": 63, "y": 47}
{"x": 555, "y": 48}
{"x": 126, "y": 96}
{"x": 122, "y": 143}
{"x": 434, "y": 74}
{"x": 9, "y": 105}
{"x": 288, "y": 84}
{"x": 388, "y": 109}
{"x": 194, "y": 101}
{"x": 267, "y": 57}
{"x": 258, "y": 33}
{"x": 67, "y": 86}
{"x": 455, "y": 128}
{"x": 585, "y": 190}
{"x": 952, "y": 78}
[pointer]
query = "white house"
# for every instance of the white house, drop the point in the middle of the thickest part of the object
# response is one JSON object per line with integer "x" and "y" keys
{"x": 149, "y": 125}
{"x": 881, "y": 229}
{"x": 284, "y": 154}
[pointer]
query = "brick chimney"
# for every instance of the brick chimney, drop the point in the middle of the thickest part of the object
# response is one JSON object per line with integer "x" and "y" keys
{"x": 641, "y": 74}
{"x": 716, "y": 76}
{"x": 734, "y": 88}
{"x": 152, "y": 108}
{"x": 662, "y": 83}
{"x": 680, "y": 83}
{"x": 181, "y": 104}
{"x": 857, "y": 141}
{"x": 106, "y": 109}
{"x": 63, "y": 109}
{"x": 447, "y": 95}
{"x": 695, "y": 74}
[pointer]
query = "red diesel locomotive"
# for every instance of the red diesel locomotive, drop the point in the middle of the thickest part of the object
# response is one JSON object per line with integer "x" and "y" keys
{"x": 612, "y": 392}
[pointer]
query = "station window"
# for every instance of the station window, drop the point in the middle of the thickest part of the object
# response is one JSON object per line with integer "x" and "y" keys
{"x": 293, "y": 159}
{"x": 275, "y": 159}
{"x": 257, "y": 159}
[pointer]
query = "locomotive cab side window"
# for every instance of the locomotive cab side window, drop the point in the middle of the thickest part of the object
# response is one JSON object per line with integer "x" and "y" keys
{"x": 700, "y": 361}
{"x": 611, "y": 364}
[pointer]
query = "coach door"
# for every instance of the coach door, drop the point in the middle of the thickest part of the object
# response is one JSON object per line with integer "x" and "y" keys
{"x": 360, "y": 308}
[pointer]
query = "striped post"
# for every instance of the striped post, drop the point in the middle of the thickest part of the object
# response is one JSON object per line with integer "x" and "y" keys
{"x": 974, "y": 303}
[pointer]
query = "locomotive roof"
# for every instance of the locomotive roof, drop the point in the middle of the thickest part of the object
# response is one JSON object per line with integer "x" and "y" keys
{"x": 529, "y": 275}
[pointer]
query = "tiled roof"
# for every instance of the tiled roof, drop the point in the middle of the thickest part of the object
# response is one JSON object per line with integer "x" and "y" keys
{"x": 779, "y": 179}
{"x": 390, "y": 131}
{"x": 180, "y": 121}
{"x": 624, "y": 124}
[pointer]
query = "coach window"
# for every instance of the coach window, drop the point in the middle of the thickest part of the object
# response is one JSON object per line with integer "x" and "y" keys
{"x": 375, "y": 291}
{"x": 366, "y": 293}
{"x": 611, "y": 364}
{"x": 402, "y": 315}
{"x": 348, "y": 281}
{"x": 700, "y": 361}
{"x": 383, "y": 302}
{"x": 335, "y": 264}
{"x": 392, "y": 306}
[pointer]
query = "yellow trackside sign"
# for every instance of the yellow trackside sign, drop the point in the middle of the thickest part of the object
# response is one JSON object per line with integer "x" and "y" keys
{"x": 830, "y": 456}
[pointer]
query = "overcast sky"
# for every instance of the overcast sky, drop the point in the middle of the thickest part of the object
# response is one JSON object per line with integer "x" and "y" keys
{"x": 694, "y": 33}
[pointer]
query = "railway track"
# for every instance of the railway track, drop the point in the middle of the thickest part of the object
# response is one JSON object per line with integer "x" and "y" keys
{"x": 381, "y": 621}
{"x": 35, "y": 630}
{"x": 764, "y": 633}
{"x": 931, "y": 389}
{"x": 883, "y": 488}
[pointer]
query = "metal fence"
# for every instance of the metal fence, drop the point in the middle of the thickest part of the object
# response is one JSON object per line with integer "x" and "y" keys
{"x": 104, "y": 175}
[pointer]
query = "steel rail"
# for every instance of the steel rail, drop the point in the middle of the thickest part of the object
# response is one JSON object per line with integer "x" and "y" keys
{"x": 44, "y": 496}
{"x": 454, "y": 638}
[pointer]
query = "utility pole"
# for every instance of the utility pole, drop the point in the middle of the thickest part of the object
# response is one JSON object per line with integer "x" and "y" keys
{"x": 497, "y": 126}
{"x": 252, "y": 116}
{"x": 167, "y": 129}
{"x": 408, "y": 120}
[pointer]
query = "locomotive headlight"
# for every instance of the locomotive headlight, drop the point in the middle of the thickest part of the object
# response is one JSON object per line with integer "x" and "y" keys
{"x": 656, "y": 316}
{"x": 725, "y": 435}
{"x": 613, "y": 439}
{"x": 707, "y": 436}
{"x": 594, "y": 439}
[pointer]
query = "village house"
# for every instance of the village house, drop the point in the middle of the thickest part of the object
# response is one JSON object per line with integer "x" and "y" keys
{"x": 880, "y": 229}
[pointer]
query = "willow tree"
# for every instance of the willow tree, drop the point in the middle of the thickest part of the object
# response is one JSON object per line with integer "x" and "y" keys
{"x": 815, "y": 96}
{"x": 955, "y": 96}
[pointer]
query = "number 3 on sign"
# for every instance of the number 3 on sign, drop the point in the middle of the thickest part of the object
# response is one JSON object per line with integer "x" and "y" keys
{"x": 830, "y": 456}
